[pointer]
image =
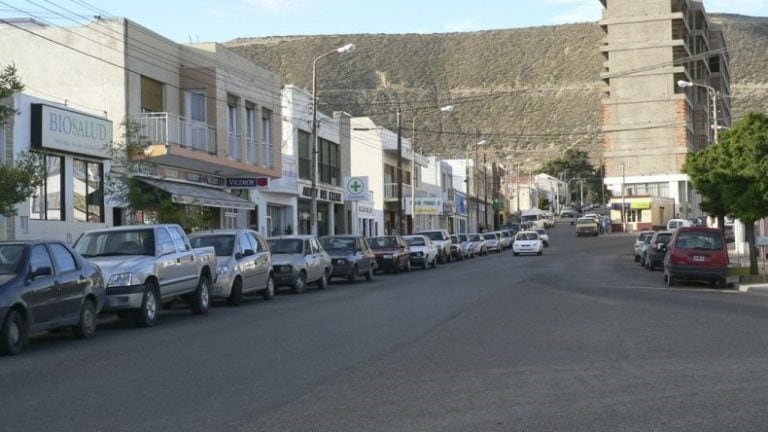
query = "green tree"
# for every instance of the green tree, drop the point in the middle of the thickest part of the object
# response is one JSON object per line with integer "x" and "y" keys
{"x": 708, "y": 170}
{"x": 18, "y": 180}
{"x": 575, "y": 165}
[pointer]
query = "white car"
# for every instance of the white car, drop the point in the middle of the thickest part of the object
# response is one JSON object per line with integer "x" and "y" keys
{"x": 423, "y": 251}
{"x": 527, "y": 242}
{"x": 543, "y": 236}
{"x": 639, "y": 244}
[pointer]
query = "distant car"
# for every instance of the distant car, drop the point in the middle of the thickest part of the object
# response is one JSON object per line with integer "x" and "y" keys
{"x": 351, "y": 256}
{"x": 299, "y": 260}
{"x": 456, "y": 248}
{"x": 477, "y": 244}
{"x": 465, "y": 245}
{"x": 654, "y": 253}
{"x": 527, "y": 242}
{"x": 442, "y": 240}
{"x": 492, "y": 241}
{"x": 506, "y": 238}
{"x": 674, "y": 224}
{"x": 392, "y": 253}
{"x": 587, "y": 226}
{"x": 543, "y": 236}
{"x": 696, "y": 253}
{"x": 243, "y": 263}
{"x": 639, "y": 244}
{"x": 46, "y": 285}
{"x": 423, "y": 251}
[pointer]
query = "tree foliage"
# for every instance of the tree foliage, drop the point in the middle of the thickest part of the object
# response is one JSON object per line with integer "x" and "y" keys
{"x": 575, "y": 166}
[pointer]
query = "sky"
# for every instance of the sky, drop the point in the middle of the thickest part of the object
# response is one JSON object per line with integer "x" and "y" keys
{"x": 222, "y": 20}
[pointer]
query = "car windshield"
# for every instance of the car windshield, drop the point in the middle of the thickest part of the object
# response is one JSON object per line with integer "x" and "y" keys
{"x": 10, "y": 258}
{"x": 223, "y": 244}
{"x": 699, "y": 240}
{"x": 475, "y": 237}
{"x": 286, "y": 246}
{"x": 527, "y": 236}
{"x": 663, "y": 238}
{"x": 108, "y": 243}
{"x": 337, "y": 243}
{"x": 383, "y": 242}
{"x": 541, "y": 231}
{"x": 415, "y": 241}
{"x": 433, "y": 235}
{"x": 463, "y": 237}
{"x": 489, "y": 236}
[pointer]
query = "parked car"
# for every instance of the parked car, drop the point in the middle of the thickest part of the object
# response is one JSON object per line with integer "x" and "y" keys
{"x": 148, "y": 265}
{"x": 527, "y": 242}
{"x": 392, "y": 253}
{"x": 506, "y": 239}
{"x": 674, "y": 224}
{"x": 466, "y": 246}
{"x": 696, "y": 253}
{"x": 442, "y": 240}
{"x": 351, "y": 256}
{"x": 243, "y": 263}
{"x": 653, "y": 255}
{"x": 46, "y": 285}
{"x": 299, "y": 260}
{"x": 456, "y": 252}
{"x": 544, "y": 236}
{"x": 423, "y": 251}
{"x": 587, "y": 226}
{"x": 492, "y": 241}
{"x": 477, "y": 243}
{"x": 639, "y": 244}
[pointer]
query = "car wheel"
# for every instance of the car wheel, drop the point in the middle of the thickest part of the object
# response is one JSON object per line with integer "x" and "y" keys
{"x": 352, "y": 277}
{"x": 201, "y": 298}
{"x": 448, "y": 258}
{"x": 424, "y": 264}
{"x": 515, "y": 254}
{"x": 637, "y": 258}
{"x": 540, "y": 253}
{"x": 146, "y": 315}
{"x": 408, "y": 266}
{"x": 369, "y": 275}
{"x": 651, "y": 266}
{"x": 13, "y": 333}
{"x": 434, "y": 262}
{"x": 269, "y": 292}
{"x": 300, "y": 284}
{"x": 86, "y": 327}
{"x": 236, "y": 296}
{"x": 322, "y": 283}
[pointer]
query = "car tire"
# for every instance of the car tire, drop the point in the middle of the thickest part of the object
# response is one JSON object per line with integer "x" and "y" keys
{"x": 637, "y": 258}
{"x": 369, "y": 274}
{"x": 352, "y": 277}
{"x": 540, "y": 253}
{"x": 86, "y": 327}
{"x": 146, "y": 315}
{"x": 408, "y": 266}
{"x": 268, "y": 293}
{"x": 433, "y": 264}
{"x": 13, "y": 334}
{"x": 236, "y": 295}
{"x": 322, "y": 283}
{"x": 201, "y": 298}
{"x": 424, "y": 264}
{"x": 300, "y": 284}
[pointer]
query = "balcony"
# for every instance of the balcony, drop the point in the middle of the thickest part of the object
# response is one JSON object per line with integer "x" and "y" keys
{"x": 167, "y": 128}
{"x": 390, "y": 191}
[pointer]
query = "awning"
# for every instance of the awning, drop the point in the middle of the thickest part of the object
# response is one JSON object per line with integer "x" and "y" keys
{"x": 184, "y": 193}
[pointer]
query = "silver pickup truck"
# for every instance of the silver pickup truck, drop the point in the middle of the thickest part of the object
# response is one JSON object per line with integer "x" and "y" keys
{"x": 145, "y": 266}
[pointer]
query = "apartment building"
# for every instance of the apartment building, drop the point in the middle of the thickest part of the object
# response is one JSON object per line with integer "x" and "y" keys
{"x": 667, "y": 87}
{"x": 208, "y": 119}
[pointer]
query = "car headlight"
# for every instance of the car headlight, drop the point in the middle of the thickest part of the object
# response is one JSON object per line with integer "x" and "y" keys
{"x": 222, "y": 269}
{"x": 119, "y": 279}
{"x": 340, "y": 261}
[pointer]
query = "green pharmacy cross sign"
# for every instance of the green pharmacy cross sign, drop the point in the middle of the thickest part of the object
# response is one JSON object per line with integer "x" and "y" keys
{"x": 356, "y": 188}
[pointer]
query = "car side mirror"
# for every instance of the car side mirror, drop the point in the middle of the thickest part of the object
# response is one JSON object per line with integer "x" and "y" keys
{"x": 248, "y": 252}
{"x": 40, "y": 271}
{"x": 238, "y": 255}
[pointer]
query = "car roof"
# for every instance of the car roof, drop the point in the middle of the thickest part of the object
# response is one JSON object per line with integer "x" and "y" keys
{"x": 294, "y": 236}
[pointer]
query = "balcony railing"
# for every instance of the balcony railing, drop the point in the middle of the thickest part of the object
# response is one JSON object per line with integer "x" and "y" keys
{"x": 250, "y": 147}
{"x": 167, "y": 128}
{"x": 266, "y": 161}
{"x": 390, "y": 191}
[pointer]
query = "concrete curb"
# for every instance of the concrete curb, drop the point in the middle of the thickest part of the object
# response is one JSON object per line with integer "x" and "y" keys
{"x": 754, "y": 288}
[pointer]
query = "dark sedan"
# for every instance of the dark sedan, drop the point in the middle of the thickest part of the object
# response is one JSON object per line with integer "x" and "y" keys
{"x": 45, "y": 285}
{"x": 653, "y": 255}
{"x": 351, "y": 256}
{"x": 392, "y": 253}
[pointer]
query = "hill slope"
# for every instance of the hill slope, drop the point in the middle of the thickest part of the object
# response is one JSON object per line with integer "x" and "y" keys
{"x": 531, "y": 92}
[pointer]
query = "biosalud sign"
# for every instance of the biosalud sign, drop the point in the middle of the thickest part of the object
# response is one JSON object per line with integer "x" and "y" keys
{"x": 65, "y": 130}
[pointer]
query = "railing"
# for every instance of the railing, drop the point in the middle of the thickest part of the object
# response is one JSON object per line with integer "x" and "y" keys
{"x": 251, "y": 151}
{"x": 234, "y": 145}
{"x": 390, "y": 191}
{"x": 167, "y": 128}
{"x": 267, "y": 160}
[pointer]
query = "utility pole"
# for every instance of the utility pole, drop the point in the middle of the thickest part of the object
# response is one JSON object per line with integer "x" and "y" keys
{"x": 623, "y": 201}
{"x": 400, "y": 229}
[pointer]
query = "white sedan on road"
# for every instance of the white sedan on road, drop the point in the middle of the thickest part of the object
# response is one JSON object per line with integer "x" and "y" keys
{"x": 527, "y": 242}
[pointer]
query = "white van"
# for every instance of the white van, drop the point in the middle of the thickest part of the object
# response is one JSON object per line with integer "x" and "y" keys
{"x": 674, "y": 224}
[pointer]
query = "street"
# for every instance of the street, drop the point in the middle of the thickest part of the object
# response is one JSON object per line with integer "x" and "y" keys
{"x": 579, "y": 339}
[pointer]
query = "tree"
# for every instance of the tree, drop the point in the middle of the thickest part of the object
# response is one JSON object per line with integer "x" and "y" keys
{"x": 20, "y": 180}
{"x": 575, "y": 165}
{"x": 732, "y": 176}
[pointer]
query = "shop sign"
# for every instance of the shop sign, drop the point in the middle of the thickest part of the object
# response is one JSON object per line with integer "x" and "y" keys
{"x": 61, "y": 129}
{"x": 428, "y": 206}
{"x": 247, "y": 183}
{"x": 355, "y": 188}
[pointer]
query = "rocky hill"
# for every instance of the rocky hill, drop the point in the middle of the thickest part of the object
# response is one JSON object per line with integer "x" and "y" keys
{"x": 530, "y": 92}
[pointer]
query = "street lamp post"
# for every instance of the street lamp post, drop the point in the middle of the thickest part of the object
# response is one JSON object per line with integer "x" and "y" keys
{"x": 474, "y": 177}
{"x": 712, "y": 93}
{"x": 348, "y": 48}
{"x": 446, "y": 108}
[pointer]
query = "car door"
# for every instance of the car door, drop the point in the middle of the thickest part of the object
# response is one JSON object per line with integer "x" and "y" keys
{"x": 187, "y": 268}
{"x": 244, "y": 249}
{"x": 42, "y": 292}
{"x": 262, "y": 262}
{"x": 310, "y": 261}
{"x": 72, "y": 281}
{"x": 368, "y": 258}
{"x": 168, "y": 268}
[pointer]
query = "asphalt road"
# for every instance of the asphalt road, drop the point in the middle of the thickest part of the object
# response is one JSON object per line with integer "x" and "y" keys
{"x": 580, "y": 339}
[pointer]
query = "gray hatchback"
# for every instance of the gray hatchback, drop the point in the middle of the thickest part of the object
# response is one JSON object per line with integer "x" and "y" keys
{"x": 351, "y": 256}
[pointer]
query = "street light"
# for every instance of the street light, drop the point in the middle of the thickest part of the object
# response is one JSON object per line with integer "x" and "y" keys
{"x": 713, "y": 94}
{"x": 348, "y": 48}
{"x": 477, "y": 194}
{"x": 446, "y": 108}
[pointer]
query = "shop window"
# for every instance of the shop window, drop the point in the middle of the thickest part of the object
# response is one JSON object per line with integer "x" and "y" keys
{"x": 48, "y": 199}
{"x": 305, "y": 155}
{"x": 88, "y": 200}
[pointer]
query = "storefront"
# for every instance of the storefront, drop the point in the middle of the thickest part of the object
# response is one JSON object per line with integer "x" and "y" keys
{"x": 641, "y": 213}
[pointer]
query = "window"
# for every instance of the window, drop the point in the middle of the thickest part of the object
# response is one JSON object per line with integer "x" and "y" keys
{"x": 164, "y": 240}
{"x": 305, "y": 155}
{"x": 233, "y": 132}
{"x": 251, "y": 144}
{"x": 266, "y": 136}
{"x": 244, "y": 244}
{"x": 151, "y": 95}
{"x": 40, "y": 258}
{"x": 48, "y": 199}
{"x": 329, "y": 157}
{"x": 196, "y": 105}
{"x": 178, "y": 239}
{"x": 64, "y": 259}
{"x": 88, "y": 191}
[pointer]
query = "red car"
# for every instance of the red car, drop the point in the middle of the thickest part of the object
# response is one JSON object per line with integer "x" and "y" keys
{"x": 696, "y": 253}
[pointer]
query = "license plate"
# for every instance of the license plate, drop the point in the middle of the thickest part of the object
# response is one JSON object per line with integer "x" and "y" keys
{"x": 387, "y": 256}
{"x": 699, "y": 258}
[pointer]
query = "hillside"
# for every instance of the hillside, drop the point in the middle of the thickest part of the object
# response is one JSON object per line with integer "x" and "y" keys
{"x": 531, "y": 92}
